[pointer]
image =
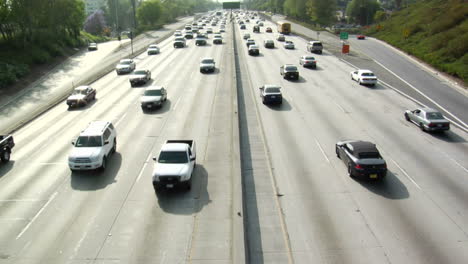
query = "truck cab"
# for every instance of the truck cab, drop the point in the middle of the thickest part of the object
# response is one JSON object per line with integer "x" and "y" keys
{"x": 174, "y": 165}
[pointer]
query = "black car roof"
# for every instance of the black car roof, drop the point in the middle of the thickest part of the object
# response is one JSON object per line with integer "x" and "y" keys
{"x": 363, "y": 146}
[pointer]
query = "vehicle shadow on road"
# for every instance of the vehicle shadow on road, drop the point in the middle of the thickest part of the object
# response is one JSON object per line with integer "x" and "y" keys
{"x": 182, "y": 202}
{"x": 300, "y": 80}
{"x": 97, "y": 179}
{"x": 391, "y": 187}
{"x": 284, "y": 106}
{"x": 166, "y": 107}
{"x": 83, "y": 108}
{"x": 6, "y": 167}
{"x": 448, "y": 136}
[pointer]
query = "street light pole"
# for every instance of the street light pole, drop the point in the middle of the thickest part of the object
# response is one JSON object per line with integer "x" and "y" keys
{"x": 134, "y": 24}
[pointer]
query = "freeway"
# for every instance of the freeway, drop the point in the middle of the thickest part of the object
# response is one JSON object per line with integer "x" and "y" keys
{"x": 268, "y": 187}
{"x": 416, "y": 215}
{"x": 413, "y": 78}
{"x": 50, "y": 215}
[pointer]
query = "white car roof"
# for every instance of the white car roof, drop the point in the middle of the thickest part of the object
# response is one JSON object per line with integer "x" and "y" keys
{"x": 82, "y": 87}
{"x": 95, "y": 128}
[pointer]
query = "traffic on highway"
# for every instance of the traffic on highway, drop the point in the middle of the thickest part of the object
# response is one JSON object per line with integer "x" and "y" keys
{"x": 236, "y": 140}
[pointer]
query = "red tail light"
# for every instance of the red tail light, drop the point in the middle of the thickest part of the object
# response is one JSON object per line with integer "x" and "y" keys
{"x": 358, "y": 166}
{"x": 432, "y": 125}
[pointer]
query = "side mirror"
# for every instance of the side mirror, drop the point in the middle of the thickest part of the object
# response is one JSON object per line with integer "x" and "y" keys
{"x": 106, "y": 142}
{"x": 192, "y": 158}
{"x": 154, "y": 158}
{"x": 73, "y": 143}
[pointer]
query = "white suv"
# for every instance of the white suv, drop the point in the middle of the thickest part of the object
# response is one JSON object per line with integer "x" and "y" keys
{"x": 93, "y": 147}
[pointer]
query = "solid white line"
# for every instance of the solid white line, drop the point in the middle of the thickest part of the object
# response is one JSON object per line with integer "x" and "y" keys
{"x": 421, "y": 93}
{"x": 420, "y": 103}
{"x": 177, "y": 103}
{"x": 321, "y": 149}
{"x": 37, "y": 215}
{"x": 406, "y": 174}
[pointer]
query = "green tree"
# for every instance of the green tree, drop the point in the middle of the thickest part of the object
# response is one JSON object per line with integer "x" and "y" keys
{"x": 362, "y": 11}
{"x": 322, "y": 12}
{"x": 149, "y": 13}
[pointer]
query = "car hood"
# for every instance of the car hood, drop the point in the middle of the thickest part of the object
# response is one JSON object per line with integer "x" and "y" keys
{"x": 164, "y": 169}
{"x": 85, "y": 152}
{"x": 76, "y": 97}
{"x": 137, "y": 76}
{"x": 147, "y": 99}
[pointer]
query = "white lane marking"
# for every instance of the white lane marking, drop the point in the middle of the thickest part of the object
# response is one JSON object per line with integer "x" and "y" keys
{"x": 177, "y": 103}
{"x": 121, "y": 118}
{"x": 420, "y": 103}
{"x": 321, "y": 149}
{"x": 144, "y": 166}
{"x": 37, "y": 215}
{"x": 421, "y": 93}
{"x": 339, "y": 106}
{"x": 411, "y": 98}
{"x": 455, "y": 161}
{"x": 406, "y": 174}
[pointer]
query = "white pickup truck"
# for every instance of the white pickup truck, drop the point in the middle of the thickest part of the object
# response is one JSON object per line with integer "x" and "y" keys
{"x": 174, "y": 165}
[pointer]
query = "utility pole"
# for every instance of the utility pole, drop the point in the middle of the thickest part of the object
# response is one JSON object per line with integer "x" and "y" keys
{"x": 134, "y": 25}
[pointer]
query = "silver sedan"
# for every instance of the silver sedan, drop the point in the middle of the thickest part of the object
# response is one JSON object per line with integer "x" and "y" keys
{"x": 428, "y": 119}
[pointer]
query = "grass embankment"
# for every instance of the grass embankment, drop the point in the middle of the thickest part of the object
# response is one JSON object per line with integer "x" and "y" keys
{"x": 17, "y": 61}
{"x": 435, "y": 31}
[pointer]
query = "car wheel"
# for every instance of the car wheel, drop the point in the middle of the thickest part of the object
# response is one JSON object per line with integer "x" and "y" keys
{"x": 407, "y": 117}
{"x": 114, "y": 148}
{"x": 6, "y": 156}
{"x": 350, "y": 172}
{"x": 104, "y": 163}
{"x": 421, "y": 126}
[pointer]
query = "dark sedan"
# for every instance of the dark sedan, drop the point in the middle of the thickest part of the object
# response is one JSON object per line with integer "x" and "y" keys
{"x": 271, "y": 94}
{"x": 289, "y": 71}
{"x": 362, "y": 159}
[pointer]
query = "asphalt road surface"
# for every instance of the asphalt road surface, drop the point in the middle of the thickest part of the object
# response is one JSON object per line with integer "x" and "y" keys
{"x": 296, "y": 204}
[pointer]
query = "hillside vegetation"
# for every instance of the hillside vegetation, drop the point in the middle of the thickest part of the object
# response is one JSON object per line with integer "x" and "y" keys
{"x": 435, "y": 31}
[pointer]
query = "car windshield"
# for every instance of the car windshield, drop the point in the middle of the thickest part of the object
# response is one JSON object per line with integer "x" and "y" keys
{"x": 367, "y": 74}
{"x": 152, "y": 92}
{"x": 369, "y": 155}
{"x": 173, "y": 157}
{"x": 79, "y": 92}
{"x": 434, "y": 115}
{"x": 291, "y": 68}
{"x": 272, "y": 90}
{"x": 125, "y": 62}
{"x": 309, "y": 58}
{"x": 140, "y": 72}
{"x": 88, "y": 141}
{"x": 317, "y": 44}
{"x": 208, "y": 61}
{"x": 289, "y": 42}
{"x": 153, "y": 47}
